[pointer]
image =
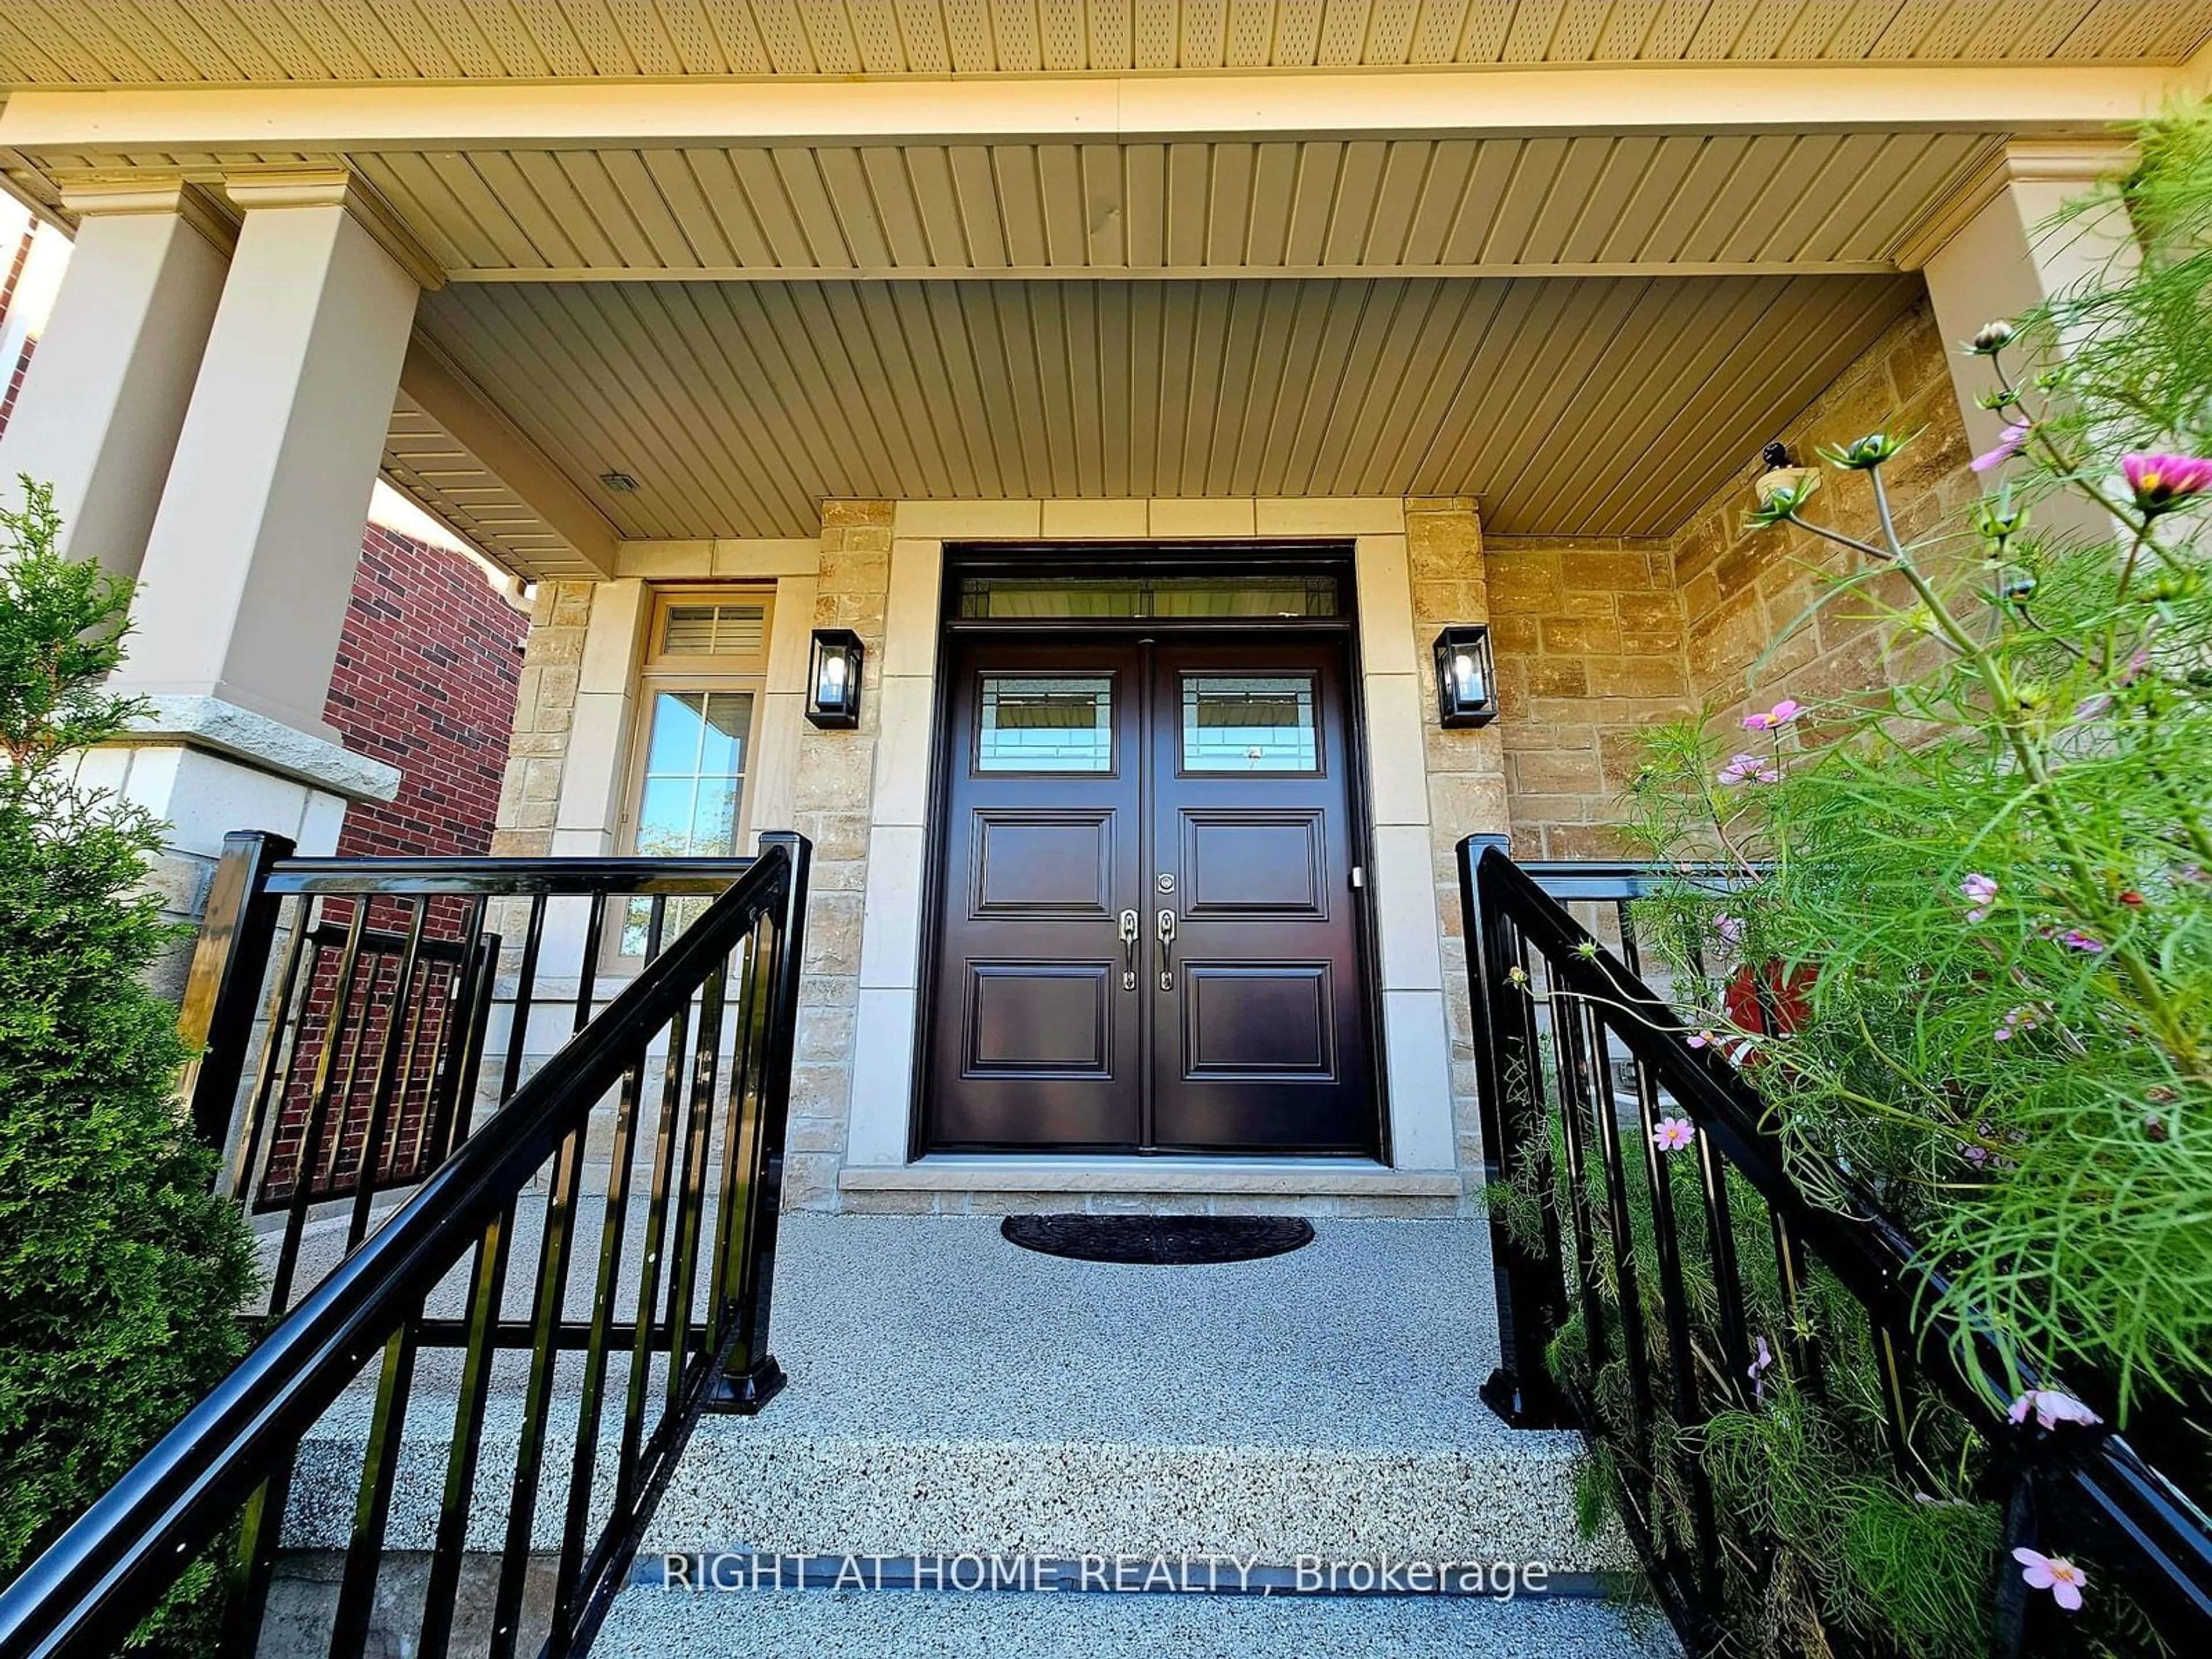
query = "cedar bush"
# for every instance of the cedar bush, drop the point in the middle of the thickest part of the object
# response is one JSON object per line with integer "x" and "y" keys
{"x": 120, "y": 1271}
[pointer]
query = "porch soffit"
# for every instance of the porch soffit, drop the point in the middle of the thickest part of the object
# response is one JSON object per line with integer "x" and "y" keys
{"x": 426, "y": 463}
{"x": 1587, "y": 405}
{"x": 1591, "y": 204}
{"x": 193, "y": 42}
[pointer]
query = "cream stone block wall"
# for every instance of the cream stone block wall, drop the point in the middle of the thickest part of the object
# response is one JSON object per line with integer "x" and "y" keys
{"x": 1742, "y": 590}
{"x": 862, "y": 796}
{"x": 1463, "y": 771}
{"x": 201, "y": 793}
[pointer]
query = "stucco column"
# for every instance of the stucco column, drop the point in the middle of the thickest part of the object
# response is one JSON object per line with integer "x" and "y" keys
{"x": 107, "y": 390}
{"x": 250, "y": 562}
{"x": 2013, "y": 253}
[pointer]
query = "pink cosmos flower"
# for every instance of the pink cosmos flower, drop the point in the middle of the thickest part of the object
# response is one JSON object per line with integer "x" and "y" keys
{"x": 2087, "y": 944}
{"x": 2052, "y": 1408}
{"x": 2054, "y": 1573}
{"x": 1747, "y": 768}
{"x": 2017, "y": 1020}
{"x": 1979, "y": 891}
{"x": 1674, "y": 1134}
{"x": 1729, "y": 928}
{"x": 2010, "y": 442}
{"x": 1780, "y": 715}
{"x": 1700, "y": 1039}
{"x": 2163, "y": 483}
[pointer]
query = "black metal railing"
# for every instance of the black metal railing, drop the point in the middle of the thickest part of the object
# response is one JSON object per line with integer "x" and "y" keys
{"x": 1577, "y": 1061}
{"x": 672, "y": 1098}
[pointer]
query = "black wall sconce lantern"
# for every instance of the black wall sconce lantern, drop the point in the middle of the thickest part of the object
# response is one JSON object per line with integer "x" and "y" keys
{"x": 833, "y": 680}
{"x": 1467, "y": 680}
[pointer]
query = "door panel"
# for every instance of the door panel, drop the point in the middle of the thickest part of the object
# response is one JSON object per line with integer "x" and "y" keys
{"x": 1042, "y": 864}
{"x": 1195, "y": 791}
{"x": 1255, "y": 861}
{"x": 1033, "y": 1041}
{"x": 1038, "y": 1018}
{"x": 1262, "y": 1043}
{"x": 1259, "y": 1020}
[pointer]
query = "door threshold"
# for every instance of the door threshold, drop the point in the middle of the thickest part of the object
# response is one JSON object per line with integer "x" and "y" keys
{"x": 1315, "y": 1177}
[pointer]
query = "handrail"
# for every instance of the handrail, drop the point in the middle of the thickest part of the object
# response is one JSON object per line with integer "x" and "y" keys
{"x": 2161, "y": 1540}
{"x": 503, "y": 877}
{"x": 91, "y": 1586}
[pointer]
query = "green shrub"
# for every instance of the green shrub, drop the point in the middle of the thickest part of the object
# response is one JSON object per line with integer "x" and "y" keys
{"x": 123, "y": 1272}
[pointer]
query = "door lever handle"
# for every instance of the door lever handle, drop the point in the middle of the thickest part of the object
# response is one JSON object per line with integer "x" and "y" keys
{"x": 1130, "y": 928}
{"x": 1167, "y": 950}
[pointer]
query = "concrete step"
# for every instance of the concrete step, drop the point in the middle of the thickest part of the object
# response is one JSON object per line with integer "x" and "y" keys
{"x": 861, "y": 1625}
{"x": 953, "y": 1395}
{"x": 951, "y": 1392}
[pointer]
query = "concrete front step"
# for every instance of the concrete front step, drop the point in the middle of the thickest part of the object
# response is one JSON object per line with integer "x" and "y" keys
{"x": 950, "y": 1392}
{"x": 863, "y": 1625}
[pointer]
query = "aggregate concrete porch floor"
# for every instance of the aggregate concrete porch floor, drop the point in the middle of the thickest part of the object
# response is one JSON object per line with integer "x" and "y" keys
{"x": 1374, "y": 1337}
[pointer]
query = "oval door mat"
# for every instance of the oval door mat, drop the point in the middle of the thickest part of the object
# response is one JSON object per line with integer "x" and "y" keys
{"x": 1159, "y": 1240}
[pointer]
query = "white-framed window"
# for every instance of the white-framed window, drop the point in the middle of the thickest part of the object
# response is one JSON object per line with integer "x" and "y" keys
{"x": 700, "y": 700}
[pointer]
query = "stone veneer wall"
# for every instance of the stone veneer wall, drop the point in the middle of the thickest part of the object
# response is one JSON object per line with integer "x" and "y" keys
{"x": 836, "y": 772}
{"x": 544, "y": 709}
{"x": 1453, "y": 580}
{"x": 1598, "y": 639}
{"x": 1742, "y": 588}
{"x": 1589, "y": 635}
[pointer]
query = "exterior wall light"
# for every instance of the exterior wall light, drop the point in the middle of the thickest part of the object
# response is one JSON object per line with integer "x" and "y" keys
{"x": 1466, "y": 679}
{"x": 1779, "y": 472}
{"x": 833, "y": 680}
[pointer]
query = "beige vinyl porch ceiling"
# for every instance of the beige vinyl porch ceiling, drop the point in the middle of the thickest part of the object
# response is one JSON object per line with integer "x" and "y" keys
{"x": 170, "y": 42}
{"x": 1585, "y": 405}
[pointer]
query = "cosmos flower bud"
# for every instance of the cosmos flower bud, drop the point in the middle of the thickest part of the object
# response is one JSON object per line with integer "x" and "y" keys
{"x": 1992, "y": 338}
{"x": 1996, "y": 518}
{"x": 1866, "y": 453}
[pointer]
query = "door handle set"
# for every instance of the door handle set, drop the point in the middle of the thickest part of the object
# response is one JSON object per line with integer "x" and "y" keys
{"x": 1131, "y": 928}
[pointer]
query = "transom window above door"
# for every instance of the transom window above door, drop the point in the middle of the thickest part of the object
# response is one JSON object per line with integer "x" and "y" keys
{"x": 1225, "y": 597}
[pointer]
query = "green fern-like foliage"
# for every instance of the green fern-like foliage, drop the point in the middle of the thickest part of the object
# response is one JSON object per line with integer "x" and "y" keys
{"x": 123, "y": 1272}
{"x": 1987, "y": 875}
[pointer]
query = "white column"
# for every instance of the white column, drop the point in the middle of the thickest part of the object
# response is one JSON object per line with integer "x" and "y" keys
{"x": 108, "y": 387}
{"x": 251, "y": 560}
{"x": 2013, "y": 253}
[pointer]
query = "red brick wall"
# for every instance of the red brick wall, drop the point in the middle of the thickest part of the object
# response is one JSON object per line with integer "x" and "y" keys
{"x": 11, "y": 375}
{"x": 427, "y": 667}
{"x": 426, "y": 678}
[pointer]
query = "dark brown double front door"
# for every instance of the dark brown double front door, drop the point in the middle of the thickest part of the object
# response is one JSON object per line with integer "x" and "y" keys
{"x": 1147, "y": 935}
